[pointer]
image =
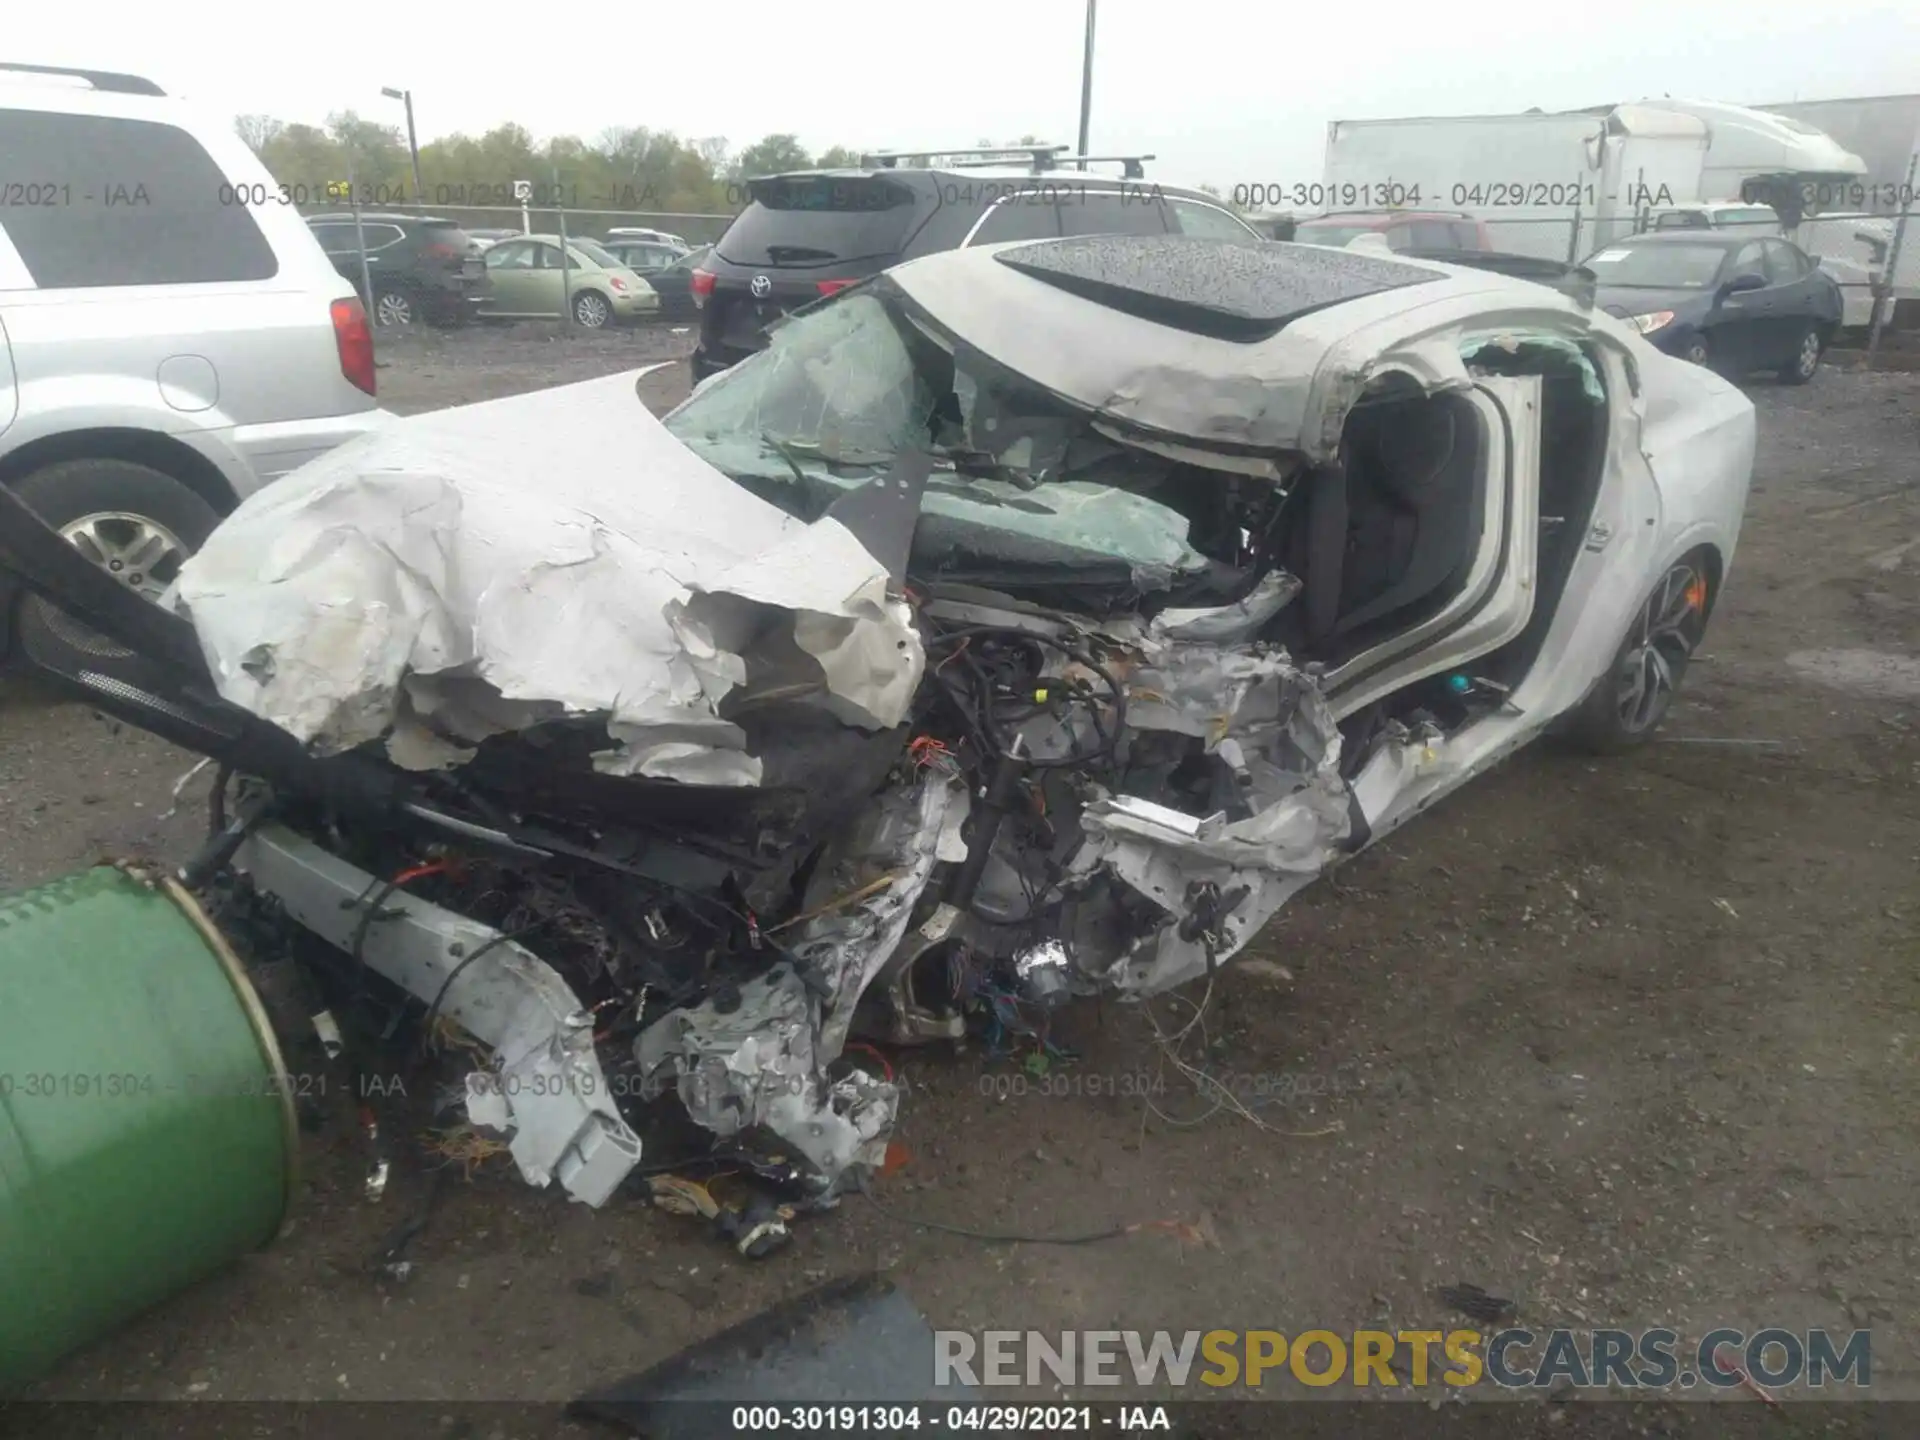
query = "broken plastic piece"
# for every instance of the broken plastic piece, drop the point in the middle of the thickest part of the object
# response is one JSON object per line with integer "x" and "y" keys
{"x": 1044, "y": 970}
{"x": 560, "y": 1113}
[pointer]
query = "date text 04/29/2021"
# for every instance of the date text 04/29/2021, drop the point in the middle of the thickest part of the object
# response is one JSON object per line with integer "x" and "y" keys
{"x": 892, "y": 1419}
{"x": 1397, "y": 194}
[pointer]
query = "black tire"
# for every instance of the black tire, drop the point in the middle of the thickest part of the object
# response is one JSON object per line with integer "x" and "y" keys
{"x": 70, "y": 491}
{"x": 1698, "y": 351}
{"x": 1608, "y": 721}
{"x": 585, "y": 301}
{"x": 1808, "y": 346}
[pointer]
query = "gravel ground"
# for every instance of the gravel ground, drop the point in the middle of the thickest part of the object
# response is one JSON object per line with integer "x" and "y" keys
{"x": 1631, "y": 1041}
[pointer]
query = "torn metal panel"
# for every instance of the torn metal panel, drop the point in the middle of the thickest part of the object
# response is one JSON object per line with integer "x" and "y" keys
{"x": 758, "y": 1057}
{"x": 547, "y": 1089}
{"x": 479, "y": 569}
{"x": 1230, "y": 624}
{"x": 1270, "y": 724}
{"x": 752, "y": 1058}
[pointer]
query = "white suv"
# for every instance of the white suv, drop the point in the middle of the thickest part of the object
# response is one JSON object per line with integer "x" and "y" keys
{"x": 172, "y": 336}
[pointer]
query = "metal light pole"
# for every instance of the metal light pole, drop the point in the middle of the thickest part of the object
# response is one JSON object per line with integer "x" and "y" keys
{"x": 413, "y": 142}
{"x": 1086, "y": 85}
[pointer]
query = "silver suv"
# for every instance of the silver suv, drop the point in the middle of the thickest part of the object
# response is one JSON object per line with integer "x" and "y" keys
{"x": 172, "y": 337}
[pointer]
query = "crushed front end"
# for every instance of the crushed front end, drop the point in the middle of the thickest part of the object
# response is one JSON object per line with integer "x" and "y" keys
{"x": 873, "y": 691}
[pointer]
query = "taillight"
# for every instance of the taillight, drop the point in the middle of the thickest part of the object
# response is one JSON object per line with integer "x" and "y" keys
{"x": 353, "y": 338}
{"x": 701, "y": 284}
{"x": 616, "y": 283}
{"x": 833, "y": 287}
{"x": 441, "y": 251}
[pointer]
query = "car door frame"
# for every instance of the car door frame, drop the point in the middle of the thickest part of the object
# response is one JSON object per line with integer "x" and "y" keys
{"x": 379, "y": 262}
{"x": 1792, "y": 304}
{"x": 1736, "y": 326}
{"x": 1129, "y": 192}
{"x": 1022, "y": 196}
{"x": 1496, "y": 600}
{"x": 512, "y": 297}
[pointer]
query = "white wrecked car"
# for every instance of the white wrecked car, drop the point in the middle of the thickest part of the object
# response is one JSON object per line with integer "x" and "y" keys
{"x": 1045, "y": 614}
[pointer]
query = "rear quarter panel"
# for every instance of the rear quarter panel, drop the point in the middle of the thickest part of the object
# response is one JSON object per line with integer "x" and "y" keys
{"x": 1679, "y": 462}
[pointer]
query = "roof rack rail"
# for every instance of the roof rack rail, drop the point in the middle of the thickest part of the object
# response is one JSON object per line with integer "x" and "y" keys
{"x": 887, "y": 159}
{"x": 1039, "y": 158}
{"x": 1134, "y": 163}
{"x": 100, "y": 79}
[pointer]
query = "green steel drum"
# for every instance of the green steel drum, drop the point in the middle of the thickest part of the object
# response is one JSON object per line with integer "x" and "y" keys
{"x": 147, "y": 1134}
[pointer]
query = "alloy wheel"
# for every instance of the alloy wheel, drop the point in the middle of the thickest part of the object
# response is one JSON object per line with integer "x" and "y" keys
{"x": 591, "y": 311}
{"x": 1696, "y": 352}
{"x": 1662, "y": 640}
{"x": 393, "y": 308}
{"x": 1808, "y": 360}
{"x": 139, "y": 552}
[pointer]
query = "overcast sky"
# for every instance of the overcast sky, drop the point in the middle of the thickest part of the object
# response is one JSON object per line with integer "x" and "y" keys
{"x": 1222, "y": 92}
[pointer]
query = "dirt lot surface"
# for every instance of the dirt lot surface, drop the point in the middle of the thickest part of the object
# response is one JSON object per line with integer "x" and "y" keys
{"x": 1633, "y": 1042}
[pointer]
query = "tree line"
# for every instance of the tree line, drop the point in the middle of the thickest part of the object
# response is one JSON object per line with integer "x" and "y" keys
{"x": 626, "y": 168}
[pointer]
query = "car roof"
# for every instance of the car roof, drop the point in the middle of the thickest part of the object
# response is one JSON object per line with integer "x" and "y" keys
{"x": 1240, "y": 292}
{"x": 1000, "y": 175}
{"x": 1249, "y": 327}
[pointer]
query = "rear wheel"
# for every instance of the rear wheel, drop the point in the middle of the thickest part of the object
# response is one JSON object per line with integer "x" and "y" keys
{"x": 394, "y": 308}
{"x": 1806, "y": 358}
{"x": 591, "y": 309}
{"x": 1629, "y": 703}
{"x": 134, "y": 522}
{"x": 1697, "y": 351}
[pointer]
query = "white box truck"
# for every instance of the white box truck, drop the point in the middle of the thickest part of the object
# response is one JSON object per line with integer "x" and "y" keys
{"x": 1856, "y": 221}
{"x": 1560, "y": 185}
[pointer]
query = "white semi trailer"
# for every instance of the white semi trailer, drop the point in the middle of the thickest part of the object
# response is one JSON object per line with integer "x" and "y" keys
{"x": 1562, "y": 184}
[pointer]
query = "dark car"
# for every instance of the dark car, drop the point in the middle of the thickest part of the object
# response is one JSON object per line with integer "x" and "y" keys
{"x": 1735, "y": 302}
{"x": 667, "y": 269}
{"x": 421, "y": 267}
{"x": 1430, "y": 230}
{"x": 811, "y": 233}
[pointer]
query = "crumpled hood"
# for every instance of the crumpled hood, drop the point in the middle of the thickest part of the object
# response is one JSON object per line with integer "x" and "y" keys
{"x": 477, "y": 570}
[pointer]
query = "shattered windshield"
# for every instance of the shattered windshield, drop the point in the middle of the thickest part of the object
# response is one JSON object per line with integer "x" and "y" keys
{"x": 1020, "y": 480}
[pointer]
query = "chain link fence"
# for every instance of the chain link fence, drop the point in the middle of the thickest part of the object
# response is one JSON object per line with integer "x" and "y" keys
{"x": 408, "y": 270}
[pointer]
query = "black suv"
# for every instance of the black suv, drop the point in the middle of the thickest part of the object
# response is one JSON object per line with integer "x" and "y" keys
{"x": 810, "y": 233}
{"x": 421, "y": 267}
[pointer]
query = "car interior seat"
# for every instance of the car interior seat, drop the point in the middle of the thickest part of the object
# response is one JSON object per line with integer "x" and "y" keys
{"x": 1396, "y": 523}
{"x": 1413, "y": 493}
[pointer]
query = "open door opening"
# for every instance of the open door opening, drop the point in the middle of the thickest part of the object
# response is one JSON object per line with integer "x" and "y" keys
{"x": 1417, "y": 548}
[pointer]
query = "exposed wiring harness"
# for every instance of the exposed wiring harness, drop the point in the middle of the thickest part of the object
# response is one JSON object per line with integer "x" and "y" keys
{"x": 977, "y": 713}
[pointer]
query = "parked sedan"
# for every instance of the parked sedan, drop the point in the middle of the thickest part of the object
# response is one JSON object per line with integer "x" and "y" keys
{"x": 1736, "y": 302}
{"x": 530, "y": 279}
{"x": 669, "y": 272}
